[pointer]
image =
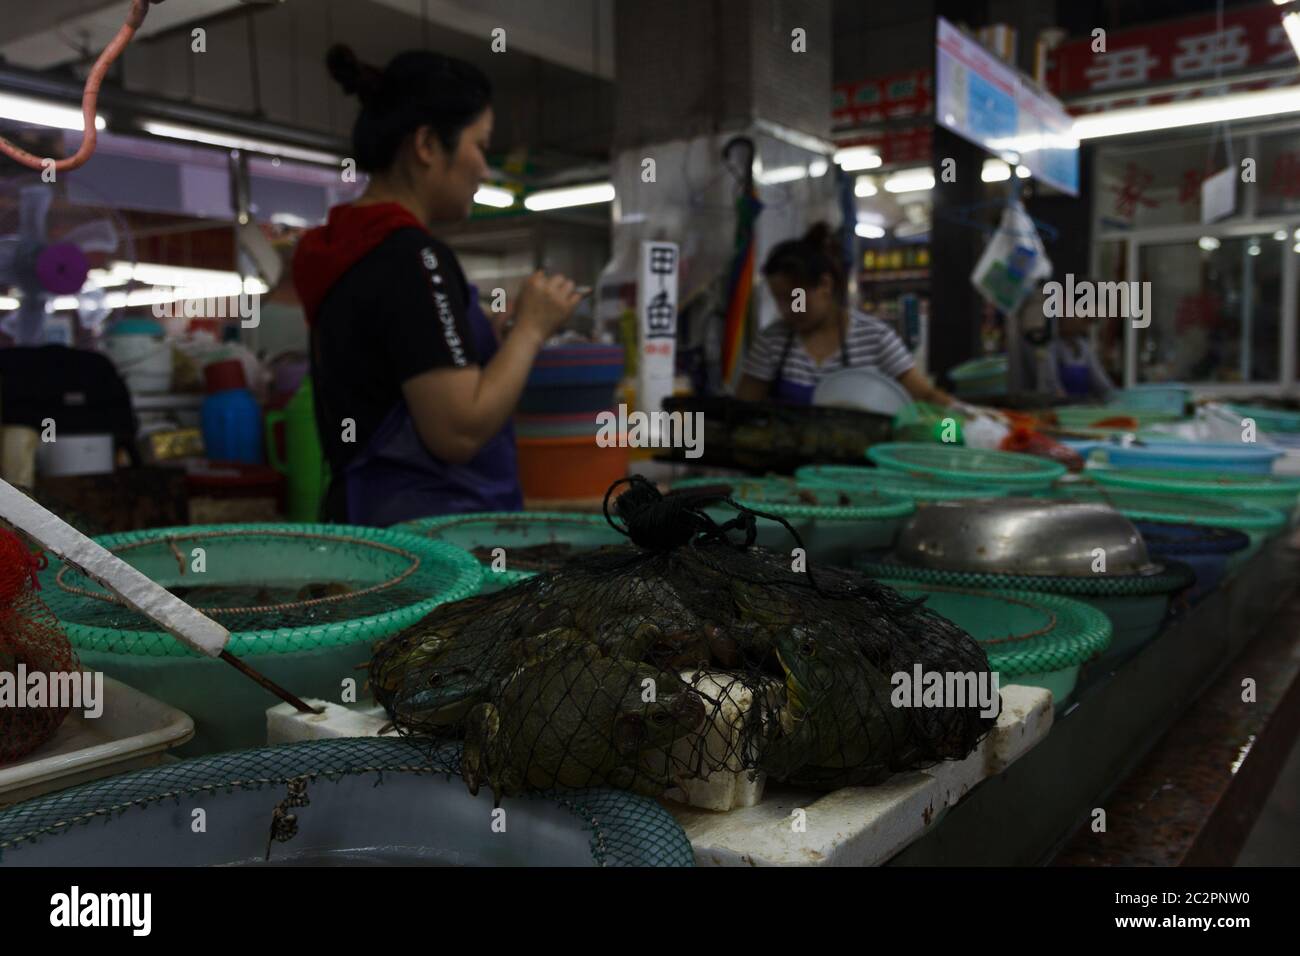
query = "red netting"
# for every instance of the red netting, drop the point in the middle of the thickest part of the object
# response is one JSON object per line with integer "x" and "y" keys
{"x": 31, "y": 642}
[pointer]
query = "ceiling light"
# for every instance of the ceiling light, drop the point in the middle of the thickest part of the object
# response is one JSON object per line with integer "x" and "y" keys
{"x": 569, "y": 196}
{"x": 1208, "y": 109}
{"x": 868, "y": 231}
{"x": 995, "y": 171}
{"x": 43, "y": 113}
{"x": 1208, "y": 243}
{"x": 782, "y": 174}
{"x": 1022, "y": 171}
{"x": 1280, "y": 235}
{"x": 494, "y": 196}
{"x": 194, "y": 283}
{"x": 817, "y": 168}
{"x": 910, "y": 180}
{"x": 213, "y": 138}
{"x": 865, "y": 186}
{"x": 854, "y": 158}
{"x": 1253, "y": 249}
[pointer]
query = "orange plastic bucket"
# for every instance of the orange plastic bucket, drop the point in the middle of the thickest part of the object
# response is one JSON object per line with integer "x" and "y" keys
{"x": 571, "y": 467}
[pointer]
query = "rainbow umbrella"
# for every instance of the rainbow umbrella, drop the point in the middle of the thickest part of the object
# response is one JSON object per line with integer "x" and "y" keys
{"x": 740, "y": 278}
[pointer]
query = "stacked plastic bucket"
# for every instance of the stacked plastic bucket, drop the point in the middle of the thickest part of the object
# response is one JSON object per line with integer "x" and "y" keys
{"x": 557, "y": 423}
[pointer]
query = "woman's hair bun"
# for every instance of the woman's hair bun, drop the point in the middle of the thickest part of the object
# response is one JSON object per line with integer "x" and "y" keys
{"x": 819, "y": 236}
{"x": 356, "y": 78}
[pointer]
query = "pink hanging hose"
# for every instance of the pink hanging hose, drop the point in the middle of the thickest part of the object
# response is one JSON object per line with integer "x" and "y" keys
{"x": 89, "y": 97}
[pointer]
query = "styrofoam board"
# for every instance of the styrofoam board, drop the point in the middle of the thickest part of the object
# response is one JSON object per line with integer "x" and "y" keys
{"x": 285, "y": 725}
{"x": 863, "y": 826}
{"x": 133, "y": 726}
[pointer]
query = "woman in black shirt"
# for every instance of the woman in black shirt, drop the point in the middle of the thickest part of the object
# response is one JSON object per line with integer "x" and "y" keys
{"x": 413, "y": 391}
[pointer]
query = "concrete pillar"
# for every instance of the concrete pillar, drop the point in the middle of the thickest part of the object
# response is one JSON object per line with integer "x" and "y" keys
{"x": 690, "y": 75}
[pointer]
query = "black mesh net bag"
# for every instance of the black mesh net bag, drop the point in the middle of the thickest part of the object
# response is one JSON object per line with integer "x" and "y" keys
{"x": 682, "y": 654}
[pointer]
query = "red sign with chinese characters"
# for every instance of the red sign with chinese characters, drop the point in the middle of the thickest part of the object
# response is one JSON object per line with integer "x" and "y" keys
{"x": 897, "y": 96}
{"x": 1189, "y": 49}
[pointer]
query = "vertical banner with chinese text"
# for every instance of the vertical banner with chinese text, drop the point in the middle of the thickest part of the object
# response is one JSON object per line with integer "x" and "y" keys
{"x": 656, "y": 300}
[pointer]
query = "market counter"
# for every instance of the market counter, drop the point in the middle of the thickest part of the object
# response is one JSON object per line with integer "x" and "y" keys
{"x": 1024, "y": 815}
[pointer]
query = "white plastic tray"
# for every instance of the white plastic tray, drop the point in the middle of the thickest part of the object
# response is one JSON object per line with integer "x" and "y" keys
{"x": 134, "y": 731}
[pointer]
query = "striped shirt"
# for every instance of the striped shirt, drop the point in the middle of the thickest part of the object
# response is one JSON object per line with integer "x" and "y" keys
{"x": 871, "y": 344}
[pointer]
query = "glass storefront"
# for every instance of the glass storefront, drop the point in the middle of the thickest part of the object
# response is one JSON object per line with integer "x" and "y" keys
{"x": 1223, "y": 302}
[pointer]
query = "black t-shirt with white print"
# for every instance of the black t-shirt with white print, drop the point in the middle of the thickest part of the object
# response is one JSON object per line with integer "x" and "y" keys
{"x": 400, "y": 311}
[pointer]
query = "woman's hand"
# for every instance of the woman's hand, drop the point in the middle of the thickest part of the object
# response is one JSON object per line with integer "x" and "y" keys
{"x": 922, "y": 389}
{"x": 545, "y": 304}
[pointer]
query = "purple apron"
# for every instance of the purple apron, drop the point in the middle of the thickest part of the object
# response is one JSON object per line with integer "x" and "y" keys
{"x": 784, "y": 390}
{"x": 1075, "y": 378}
{"x": 395, "y": 478}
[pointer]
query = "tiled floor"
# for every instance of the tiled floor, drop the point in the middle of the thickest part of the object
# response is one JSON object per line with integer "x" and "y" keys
{"x": 1275, "y": 839}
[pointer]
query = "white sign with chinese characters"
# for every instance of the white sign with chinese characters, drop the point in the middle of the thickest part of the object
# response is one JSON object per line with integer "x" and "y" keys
{"x": 1219, "y": 195}
{"x": 656, "y": 307}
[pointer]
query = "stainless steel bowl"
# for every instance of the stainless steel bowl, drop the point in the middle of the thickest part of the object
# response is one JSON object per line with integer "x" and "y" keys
{"x": 1023, "y": 536}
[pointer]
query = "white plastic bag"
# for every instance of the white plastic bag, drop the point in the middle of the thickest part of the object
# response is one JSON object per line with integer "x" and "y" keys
{"x": 1013, "y": 262}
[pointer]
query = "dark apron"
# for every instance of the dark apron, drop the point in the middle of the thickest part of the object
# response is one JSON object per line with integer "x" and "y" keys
{"x": 395, "y": 478}
{"x": 1075, "y": 378}
{"x": 783, "y": 390}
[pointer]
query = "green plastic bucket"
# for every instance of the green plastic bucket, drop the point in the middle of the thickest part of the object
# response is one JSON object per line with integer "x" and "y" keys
{"x": 836, "y": 525}
{"x": 1030, "y": 637}
{"x": 980, "y": 377}
{"x": 305, "y": 468}
{"x": 1076, "y": 417}
{"x": 1258, "y": 523}
{"x": 1280, "y": 492}
{"x": 1270, "y": 419}
{"x": 1135, "y": 604}
{"x": 962, "y": 465}
{"x": 308, "y": 642}
{"x": 919, "y": 488}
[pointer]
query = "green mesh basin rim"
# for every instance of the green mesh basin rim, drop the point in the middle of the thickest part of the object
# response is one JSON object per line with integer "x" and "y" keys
{"x": 494, "y": 528}
{"x": 780, "y": 496}
{"x": 1183, "y": 509}
{"x": 439, "y": 571}
{"x": 965, "y": 465}
{"x": 916, "y": 487}
{"x": 1068, "y": 632}
{"x": 1270, "y": 419}
{"x": 626, "y": 829}
{"x": 1198, "y": 482}
{"x": 1173, "y": 577}
{"x": 491, "y": 521}
{"x": 1083, "y": 416}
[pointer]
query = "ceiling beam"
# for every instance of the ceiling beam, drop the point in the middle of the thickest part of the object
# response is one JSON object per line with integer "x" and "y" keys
{"x": 55, "y": 32}
{"x": 578, "y": 34}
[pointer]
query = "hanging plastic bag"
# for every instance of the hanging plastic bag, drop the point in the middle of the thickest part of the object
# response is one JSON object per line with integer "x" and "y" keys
{"x": 1013, "y": 262}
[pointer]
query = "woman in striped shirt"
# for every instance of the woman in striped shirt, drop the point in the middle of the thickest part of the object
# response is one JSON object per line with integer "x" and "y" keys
{"x": 819, "y": 333}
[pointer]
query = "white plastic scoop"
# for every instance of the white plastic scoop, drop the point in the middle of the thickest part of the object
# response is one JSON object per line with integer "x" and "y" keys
{"x": 192, "y": 628}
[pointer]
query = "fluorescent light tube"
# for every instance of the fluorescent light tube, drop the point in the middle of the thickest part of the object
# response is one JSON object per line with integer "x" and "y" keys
{"x": 868, "y": 231}
{"x": 865, "y": 186}
{"x": 995, "y": 171}
{"x": 854, "y": 158}
{"x": 494, "y": 196}
{"x": 214, "y": 138}
{"x": 910, "y": 180}
{"x": 43, "y": 113}
{"x": 782, "y": 174}
{"x": 1207, "y": 109}
{"x": 569, "y": 196}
